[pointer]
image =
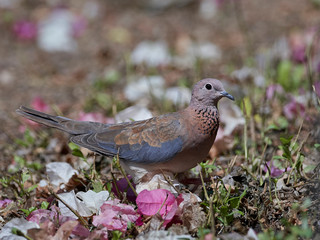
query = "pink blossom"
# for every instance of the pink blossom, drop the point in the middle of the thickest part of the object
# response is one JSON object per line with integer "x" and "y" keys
{"x": 123, "y": 186}
{"x": 209, "y": 236}
{"x": 43, "y": 216}
{"x": 274, "y": 171}
{"x": 318, "y": 67}
{"x": 272, "y": 89}
{"x": 94, "y": 117}
{"x": 25, "y": 30}
{"x": 293, "y": 109}
{"x": 299, "y": 43}
{"x": 101, "y": 234}
{"x": 115, "y": 215}
{"x": 79, "y": 25}
{"x": 317, "y": 87}
{"x": 157, "y": 201}
{"x": 39, "y": 104}
{"x": 299, "y": 54}
{"x": 4, "y": 203}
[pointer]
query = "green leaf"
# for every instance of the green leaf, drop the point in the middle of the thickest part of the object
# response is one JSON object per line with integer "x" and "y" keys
{"x": 116, "y": 235}
{"x": 97, "y": 186}
{"x": 104, "y": 100}
{"x": 282, "y": 122}
{"x": 75, "y": 150}
{"x": 286, "y": 141}
{"x": 20, "y": 161}
{"x": 246, "y": 106}
{"x": 112, "y": 77}
{"x": 77, "y": 153}
{"x": 297, "y": 76}
{"x": 277, "y": 157}
{"x": 28, "y": 211}
{"x": 32, "y": 188}
{"x": 73, "y": 146}
{"x": 15, "y": 230}
{"x": 21, "y": 142}
{"x": 224, "y": 211}
{"x": 109, "y": 187}
{"x": 234, "y": 202}
{"x": 4, "y": 181}
{"x": 25, "y": 176}
{"x": 309, "y": 168}
{"x": 284, "y": 69}
{"x": 28, "y": 137}
{"x": 36, "y": 166}
{"x": 306, "y": 204}
{"x": 272, "y": 127}
{"x": 44, "y": 205}
{"x": 203, "y": 231}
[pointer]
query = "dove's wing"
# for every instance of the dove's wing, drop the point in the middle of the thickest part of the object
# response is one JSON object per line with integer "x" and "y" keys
{"x": 150, "y": 141}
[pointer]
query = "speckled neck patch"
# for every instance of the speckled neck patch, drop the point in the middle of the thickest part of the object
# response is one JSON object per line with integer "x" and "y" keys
{"x": 209, "y": 120}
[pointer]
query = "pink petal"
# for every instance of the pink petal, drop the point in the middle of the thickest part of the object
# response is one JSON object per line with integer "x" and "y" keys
{"x": 318, "y": 67}
{"x": 272, "y": 89}
{"x": 139, "y": 221}
{"x": 79, "y": 26}
{"x": 317, "y": 86}
{"x": 39, "y": 104}
{"x": 115, "y": 215}
{"x": 159, "y": 200}
{"x": 25, "y": 30}
{"x": 123, "y": 186}
{"x": 101, "y": 234}
{"x": 274, "y": 171}
{"x": 41, "y": 215}
{"x": 4, "y": 203}
{"x": 94, "y": 117}
{"x": 293, "y": 109}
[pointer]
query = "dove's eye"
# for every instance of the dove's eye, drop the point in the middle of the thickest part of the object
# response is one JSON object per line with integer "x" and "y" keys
{"x": 208, "y": 86}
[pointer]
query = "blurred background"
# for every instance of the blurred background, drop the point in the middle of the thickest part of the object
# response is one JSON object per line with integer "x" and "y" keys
{"x": 90, "y": 60}
{"x": 122, "y": 60}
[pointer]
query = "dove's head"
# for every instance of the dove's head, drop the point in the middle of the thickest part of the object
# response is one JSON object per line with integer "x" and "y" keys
{"x": 208, "y": 92}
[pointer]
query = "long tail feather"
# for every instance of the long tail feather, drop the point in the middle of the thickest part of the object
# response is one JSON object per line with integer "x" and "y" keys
{"x": 64, "y": 124}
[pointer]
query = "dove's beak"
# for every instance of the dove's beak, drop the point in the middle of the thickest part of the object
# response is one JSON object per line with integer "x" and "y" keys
{"x": 225, "y": 94}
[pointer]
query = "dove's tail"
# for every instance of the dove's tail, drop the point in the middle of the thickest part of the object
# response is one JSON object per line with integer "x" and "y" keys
{"x": 64, "y": 124}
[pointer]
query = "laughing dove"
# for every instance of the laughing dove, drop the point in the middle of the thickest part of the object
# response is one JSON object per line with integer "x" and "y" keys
{"x": 174, "y": 142}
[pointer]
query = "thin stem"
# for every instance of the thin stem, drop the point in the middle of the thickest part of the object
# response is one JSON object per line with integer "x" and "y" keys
{"x": 245, "y": 131}
{"x": 170, "y": 183}
{"x": 298, "y": 157}
{"x": 125, "y": 175}
{"x": 203, "y": 186}
{"x": 160, "y": 210}
{"x": 261, "y": 161}
{"x": 116, "y": 186}
{"x": 82, "y": 220}
{"x": 18, "y": 232}
{"x": 213, "y": 225}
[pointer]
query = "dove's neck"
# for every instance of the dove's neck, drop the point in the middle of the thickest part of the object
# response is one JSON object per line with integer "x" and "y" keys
{"x": 207, "y": 118}
{"x": 200, "y": 108}
{"x": 206, "y": 112}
